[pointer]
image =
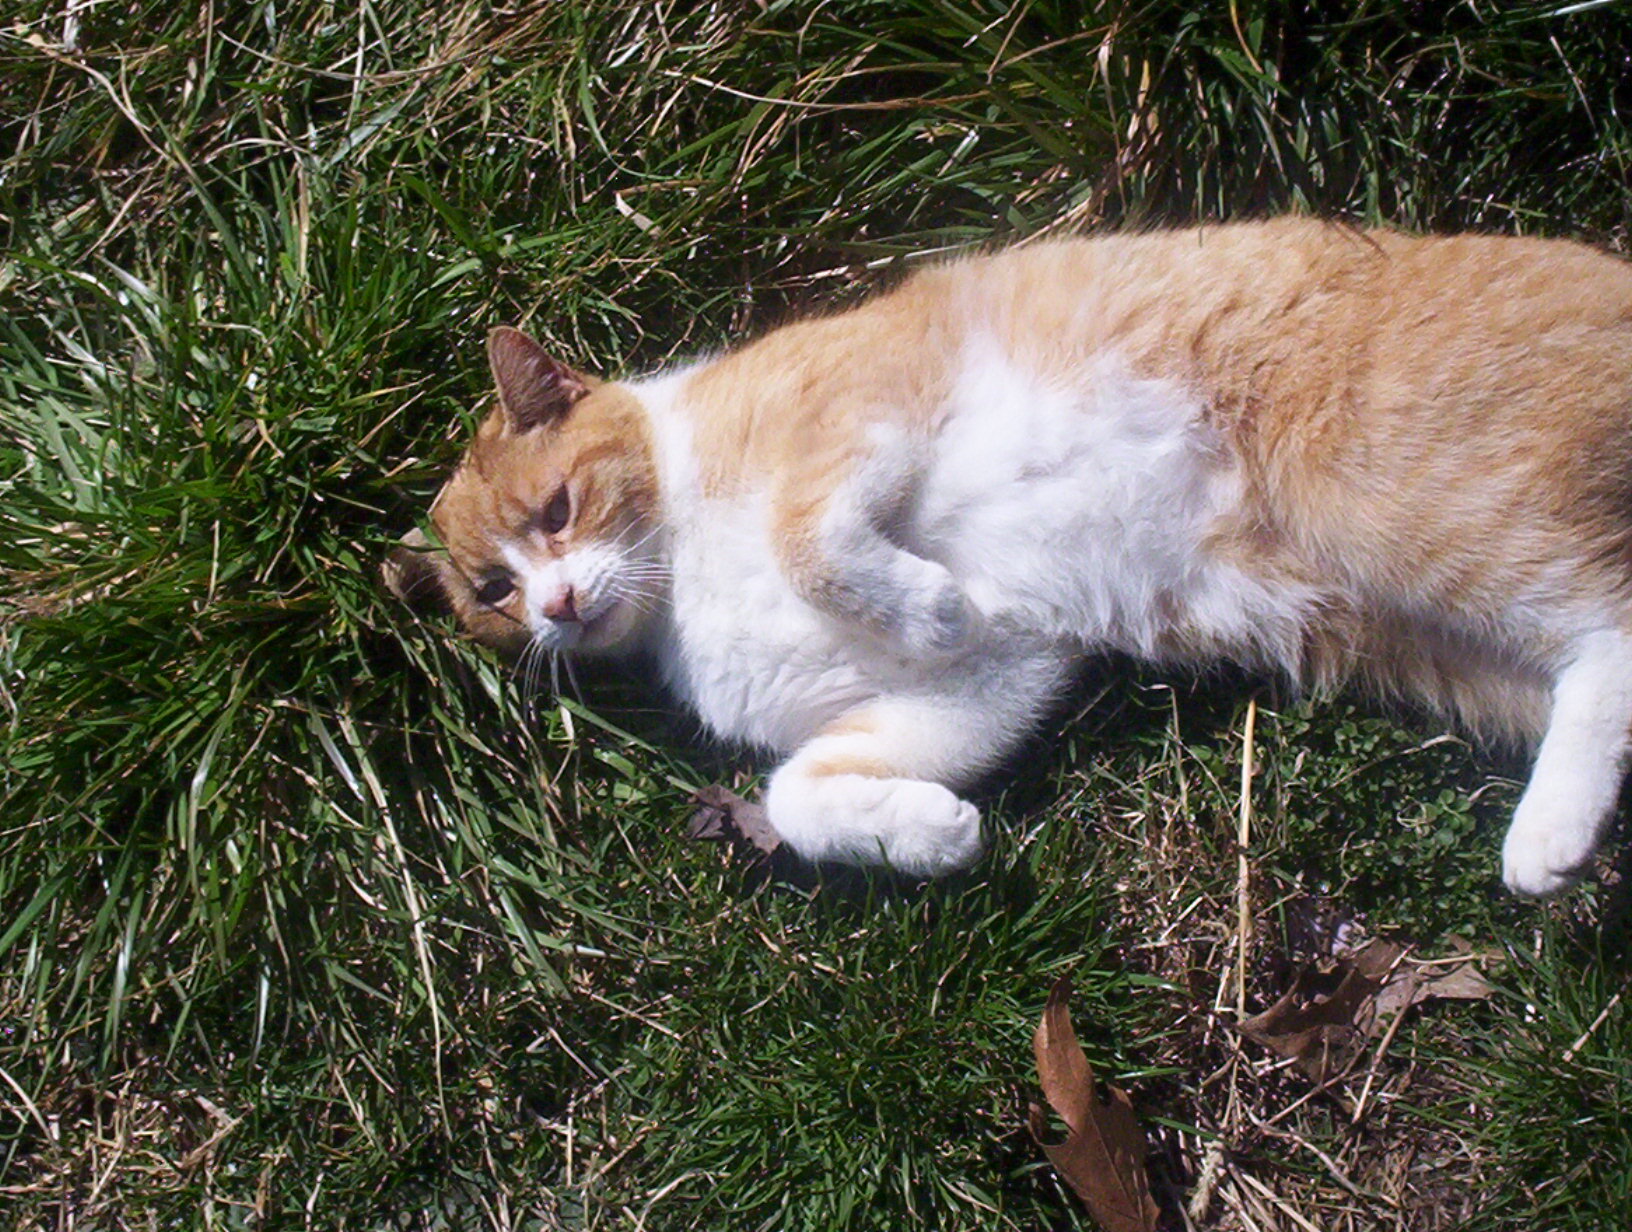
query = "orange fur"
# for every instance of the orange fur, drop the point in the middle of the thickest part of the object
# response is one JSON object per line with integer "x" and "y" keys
{"x": 508, "y": 476}
{"x": 1354, "y": 373}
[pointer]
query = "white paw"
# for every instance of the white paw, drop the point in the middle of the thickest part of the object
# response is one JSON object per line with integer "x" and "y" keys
{"x": 914, "y": 827}
{"x": 935, "y": 833}
{"x": 1540, "y": 859}
{"x": 934, "y": 617}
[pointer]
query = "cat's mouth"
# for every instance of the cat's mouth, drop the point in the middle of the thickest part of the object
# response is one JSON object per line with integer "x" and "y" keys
{"x": 590, "y": 631}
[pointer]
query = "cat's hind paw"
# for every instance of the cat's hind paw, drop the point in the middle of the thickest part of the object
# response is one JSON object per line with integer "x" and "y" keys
{"x": 938, "y": 833}
{"x": 1540, "y": 861}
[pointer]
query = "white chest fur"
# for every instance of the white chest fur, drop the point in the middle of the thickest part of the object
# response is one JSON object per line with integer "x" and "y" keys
{"x": 757, "y": 662}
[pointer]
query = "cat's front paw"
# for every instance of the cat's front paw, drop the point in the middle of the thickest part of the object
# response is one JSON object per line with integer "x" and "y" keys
{"x": 1541, "y": 859}
{"x": 937, "y": 833}
{"x": 915, "y": 827}
{"x": 934, "y": 616}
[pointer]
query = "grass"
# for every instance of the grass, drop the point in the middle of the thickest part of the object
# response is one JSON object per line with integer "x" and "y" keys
{"x": 308, "y": 918}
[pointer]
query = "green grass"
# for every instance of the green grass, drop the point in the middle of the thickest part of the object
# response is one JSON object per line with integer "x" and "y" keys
{"x": 309, "y": 918}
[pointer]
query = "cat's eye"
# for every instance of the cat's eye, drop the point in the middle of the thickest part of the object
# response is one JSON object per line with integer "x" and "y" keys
{"x": 557, "y": 513}
{"x": 495, "y": 590}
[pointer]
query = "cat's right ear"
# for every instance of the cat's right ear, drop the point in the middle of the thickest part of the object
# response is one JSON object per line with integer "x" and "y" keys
{"x": 534, "y": 389}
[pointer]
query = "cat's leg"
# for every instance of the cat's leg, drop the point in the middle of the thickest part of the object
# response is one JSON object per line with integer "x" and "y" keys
{"x": 834, "y": 539}
{"x": 863, "y": 578}
{"x": 1576, "y": 780}
{"x": 877, "y": 785}
{"x": 867, "y": 790}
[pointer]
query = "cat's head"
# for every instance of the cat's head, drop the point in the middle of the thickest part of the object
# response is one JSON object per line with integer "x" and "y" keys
{"x": 550, "y": 521}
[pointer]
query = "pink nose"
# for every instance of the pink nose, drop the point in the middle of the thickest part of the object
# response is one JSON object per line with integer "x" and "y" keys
{"x": 560, "y": 606}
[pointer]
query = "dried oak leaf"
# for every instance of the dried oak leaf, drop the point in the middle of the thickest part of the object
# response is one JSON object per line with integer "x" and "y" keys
{"x": 1103, "y": 1156}
{"x": 1320, "y": 1032}
{"x": 1411, "y": 982}
{"x": 722, "y": 816}
{"x": 1323, "y": 1032}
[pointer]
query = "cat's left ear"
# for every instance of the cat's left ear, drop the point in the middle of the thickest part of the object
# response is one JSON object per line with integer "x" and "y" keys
{"x": 534, "y": 389}
{"x": 416, "y": 573}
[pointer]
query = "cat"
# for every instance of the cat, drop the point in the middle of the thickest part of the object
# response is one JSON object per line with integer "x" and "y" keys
{"x": 880, "y": 541}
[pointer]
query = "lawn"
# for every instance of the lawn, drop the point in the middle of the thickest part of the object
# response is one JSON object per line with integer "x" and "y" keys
{"x": 313, "y": 916}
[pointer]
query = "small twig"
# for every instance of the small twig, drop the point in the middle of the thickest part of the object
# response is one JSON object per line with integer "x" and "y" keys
{"x": 1382, "y": 1046}
{"x": 1331, "y": 1165}
{"x": 629, "y": 1013}
{"x": 1206, "y": 1182}
{"x": 1580, "y": 1043}
{"x": 202, "y": 1151}
{"x": 1371, "y": 1071}
{"x": 664, "y": 1192}
{"x": 1233, "y": 1200}
{"x": 1241, "y": 38}
{"x": 1306, "y": 1097}
{"x": 29, "y": 1104}
{"x": 883, "y": 104}
{"x": 1276, "y": 1201}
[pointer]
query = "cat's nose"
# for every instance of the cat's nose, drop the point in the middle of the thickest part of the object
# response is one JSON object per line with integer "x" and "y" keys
{"x": 561, "y": 606}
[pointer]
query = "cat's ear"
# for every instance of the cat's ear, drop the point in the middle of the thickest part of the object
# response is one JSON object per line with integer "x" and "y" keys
{"x": 423, "y": 576}
{"x": 534, "y": 389}
{"x": 416, "y": 573}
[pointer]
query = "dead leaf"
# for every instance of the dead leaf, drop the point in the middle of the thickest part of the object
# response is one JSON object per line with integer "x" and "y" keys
{"x": 1322, "y": 1032}
{"x": 1413, "y": 982}
{"x": 1315, "y": 1030}
{"x": 1318, "y": 926}
{"x": 724, "y": 816}
{"x": 1103, "y": 1156}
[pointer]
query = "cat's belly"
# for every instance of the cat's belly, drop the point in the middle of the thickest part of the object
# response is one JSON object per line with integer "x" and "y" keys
{"x": 1076, "y": 516}
{"x": 1086, "y": 509}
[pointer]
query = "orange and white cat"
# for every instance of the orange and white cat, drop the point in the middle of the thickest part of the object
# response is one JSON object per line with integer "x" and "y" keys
{"x": 880, "y": 541}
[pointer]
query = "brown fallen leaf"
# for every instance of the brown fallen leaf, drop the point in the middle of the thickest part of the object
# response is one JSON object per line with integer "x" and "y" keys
{"x": 1316, "y": 1030}
{"x": 1322, "y": 1032}
{"x": 724, "y": 816}
{"x": 1412, "y": 982}
{"x": 1103, "y": 1156}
